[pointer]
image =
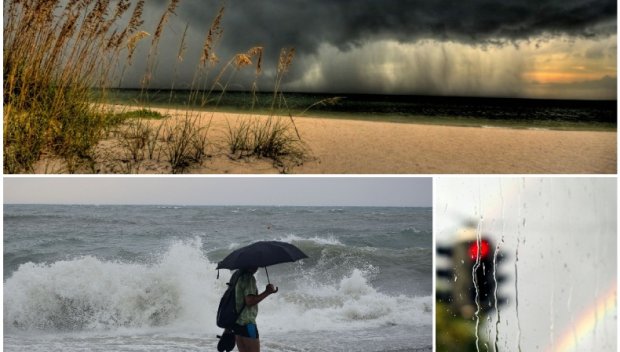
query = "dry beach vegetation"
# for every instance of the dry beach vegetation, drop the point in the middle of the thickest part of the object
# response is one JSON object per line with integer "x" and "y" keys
{"x": 54, "y": 55}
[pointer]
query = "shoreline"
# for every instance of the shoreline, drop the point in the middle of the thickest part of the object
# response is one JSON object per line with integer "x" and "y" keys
{"x": 448, "y": 121}
{"x": 341, "y": 146}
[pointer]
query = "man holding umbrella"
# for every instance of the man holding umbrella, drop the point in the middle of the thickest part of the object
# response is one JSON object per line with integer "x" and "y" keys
{"x": 246, "y": 332}
{"x": 247, "y": 260}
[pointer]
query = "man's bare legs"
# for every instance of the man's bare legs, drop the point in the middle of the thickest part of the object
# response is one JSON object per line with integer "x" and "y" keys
{"x": 246, "y": 344}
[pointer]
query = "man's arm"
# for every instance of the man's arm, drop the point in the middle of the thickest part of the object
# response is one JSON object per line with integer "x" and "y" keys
{"x": 252, "y": 300}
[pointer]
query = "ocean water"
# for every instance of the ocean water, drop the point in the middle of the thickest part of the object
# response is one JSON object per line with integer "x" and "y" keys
{"x": 467, "y": 111}
{"x": 143, "y": 278}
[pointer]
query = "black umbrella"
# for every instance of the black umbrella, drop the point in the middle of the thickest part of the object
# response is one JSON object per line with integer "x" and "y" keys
{"x": 261, "y": 254}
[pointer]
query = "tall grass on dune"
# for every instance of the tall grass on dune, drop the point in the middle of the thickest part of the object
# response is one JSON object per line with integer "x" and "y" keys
{"x": 55, "y": 52}
{"x": 274, "y": 136}
{"x": 52, "y": 56}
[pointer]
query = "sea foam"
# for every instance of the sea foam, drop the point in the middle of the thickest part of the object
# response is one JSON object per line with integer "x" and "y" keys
{"x": 180, "y": 291}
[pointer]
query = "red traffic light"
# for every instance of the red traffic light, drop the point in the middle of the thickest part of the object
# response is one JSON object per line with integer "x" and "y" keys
{"x": 481, "y": 251}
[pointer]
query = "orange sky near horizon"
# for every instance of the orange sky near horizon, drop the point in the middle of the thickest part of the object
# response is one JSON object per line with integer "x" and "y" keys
{"x": 566, "y": 61}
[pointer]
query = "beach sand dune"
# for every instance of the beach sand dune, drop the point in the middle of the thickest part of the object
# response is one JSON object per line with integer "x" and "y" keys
{"x": 338, "y": 146}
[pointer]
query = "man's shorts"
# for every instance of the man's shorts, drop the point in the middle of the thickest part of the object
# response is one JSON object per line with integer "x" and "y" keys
{"x": 250, "y": 330}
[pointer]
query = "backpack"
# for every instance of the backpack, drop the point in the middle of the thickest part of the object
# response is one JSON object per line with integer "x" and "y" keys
{"x": 227, "y": 313}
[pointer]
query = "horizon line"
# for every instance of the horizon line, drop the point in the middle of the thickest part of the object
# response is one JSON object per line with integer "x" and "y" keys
{"x": 362, "y": 94}
{"x": 229, "y": 205}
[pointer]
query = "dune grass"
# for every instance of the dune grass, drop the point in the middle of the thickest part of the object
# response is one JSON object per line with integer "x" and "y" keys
{"x": 275, "y": 137}
{"x": 271, "y": 137}
{"x": 56, "y": 51}
{"x": 140, "y": 114}
{"x": 187, "y": 142}
{"x": 53, "y": 55}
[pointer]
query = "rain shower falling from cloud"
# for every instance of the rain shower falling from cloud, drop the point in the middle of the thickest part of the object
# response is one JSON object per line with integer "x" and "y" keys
{"x": 471, "y": 48}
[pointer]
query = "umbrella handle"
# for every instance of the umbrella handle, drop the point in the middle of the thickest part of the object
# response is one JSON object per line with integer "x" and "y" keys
{"x": 267, "y": 275}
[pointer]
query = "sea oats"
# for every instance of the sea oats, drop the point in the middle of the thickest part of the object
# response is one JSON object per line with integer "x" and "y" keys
{"x": 68, "y": 28}
{"x": 242, "y": 60}
{"x": 213, "y": 36}
{"x": 286, "y": 58}
{"x": 257, "y": 52}
{"x": 121, "y": 7}
{"x": 120, "y": 38}
{"x": 101, "y": 11}
{"x": 164, "y": 19}
{"x": 135, "y": 22}
{"x": 54, "y": 53}
{"x": 71, "y": 4}
{"x": 133, "y": 41}
{"x": 114, "y": 38}
{"x": 214, "y": 59}
{"x": 182, "y": 46}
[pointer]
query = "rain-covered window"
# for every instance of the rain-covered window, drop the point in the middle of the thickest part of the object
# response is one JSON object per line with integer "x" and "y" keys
{"x": 526, "y": 264}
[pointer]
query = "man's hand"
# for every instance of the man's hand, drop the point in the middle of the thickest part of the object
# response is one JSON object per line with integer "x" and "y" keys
{"x": 271, "y": 289}
{"x": 252, "y": 300}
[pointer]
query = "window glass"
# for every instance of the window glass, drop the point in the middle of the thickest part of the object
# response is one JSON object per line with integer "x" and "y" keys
{"x": 545, "y": 250}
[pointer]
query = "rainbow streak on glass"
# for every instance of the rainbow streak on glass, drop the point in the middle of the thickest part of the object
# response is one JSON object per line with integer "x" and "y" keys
{"x": 606, "y": 305}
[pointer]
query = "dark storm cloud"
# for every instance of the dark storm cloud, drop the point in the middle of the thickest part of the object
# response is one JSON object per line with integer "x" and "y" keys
{"x": 343, "y": 23}
{"x": 348, "y": 25}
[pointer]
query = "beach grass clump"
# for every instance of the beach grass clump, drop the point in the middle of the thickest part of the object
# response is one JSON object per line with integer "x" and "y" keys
{"x": 180, "y": 143}
{"x": 272, "y": 137}
{"x": 22, "y": 141}
{"x": 54, "y": 53}
{"x": 142, "y": 113}
{"x": 185, "y": 143}
{"x": 59, "y": 58}
{"x": 275, "y": 137}
{"x": 134, "y": 138}
{"x": 239, "y": 137}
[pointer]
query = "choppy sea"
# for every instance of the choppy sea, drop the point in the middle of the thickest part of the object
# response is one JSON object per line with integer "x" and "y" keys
{"x": 143, "y": 278}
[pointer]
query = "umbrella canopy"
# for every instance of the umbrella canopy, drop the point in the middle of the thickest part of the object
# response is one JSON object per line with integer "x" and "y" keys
{"x": 261, "y": 254}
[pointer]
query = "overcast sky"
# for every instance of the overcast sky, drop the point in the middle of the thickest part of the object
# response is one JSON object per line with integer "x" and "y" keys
{"x": 515, "y": 48}
{"x": 339, "y": 191}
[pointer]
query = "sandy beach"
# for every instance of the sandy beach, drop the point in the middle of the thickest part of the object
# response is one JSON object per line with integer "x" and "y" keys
{"x": 338, "y": 146}
{"x": 371, "y": 147}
